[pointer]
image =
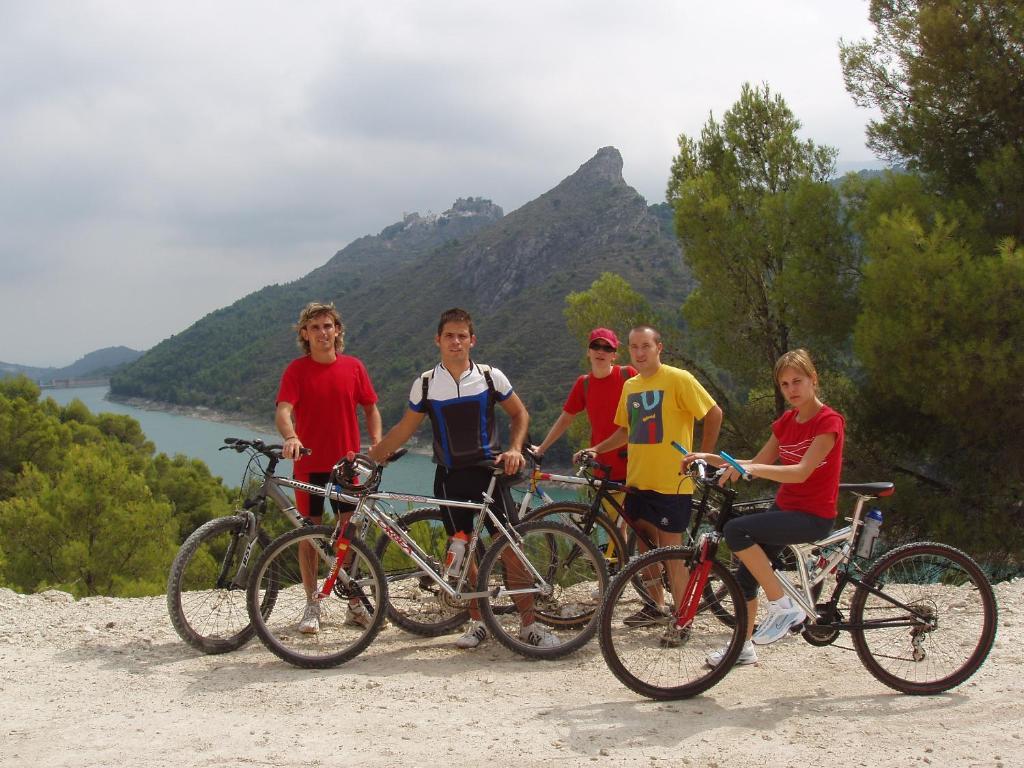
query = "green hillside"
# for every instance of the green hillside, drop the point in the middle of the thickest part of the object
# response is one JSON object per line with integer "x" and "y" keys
{"x": 511, "y": 272}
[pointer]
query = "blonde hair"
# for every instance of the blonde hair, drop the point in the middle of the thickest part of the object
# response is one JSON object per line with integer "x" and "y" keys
{"x": 315, "y": 309}
{"x": 798, "y": 359}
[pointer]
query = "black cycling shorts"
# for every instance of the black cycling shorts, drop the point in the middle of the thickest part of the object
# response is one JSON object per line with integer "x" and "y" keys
{"x": 469, "y": 484}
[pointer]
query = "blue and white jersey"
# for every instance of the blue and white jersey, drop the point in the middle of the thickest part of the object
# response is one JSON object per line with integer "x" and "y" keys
{"x": 461, "y": 413}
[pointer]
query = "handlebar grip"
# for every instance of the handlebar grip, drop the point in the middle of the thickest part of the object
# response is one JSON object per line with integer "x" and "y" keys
{"x": 679, "y": 448}
{"x": 735, "y": 465}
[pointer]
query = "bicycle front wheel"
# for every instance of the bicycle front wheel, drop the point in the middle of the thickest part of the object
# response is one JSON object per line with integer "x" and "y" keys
{"x": 348, "y": 618}
{"x": 207, "y": 582}
{"x": 933, "y": 623}
{"x": 416, "y": 602}
{"x": 599, "y": 528}
{"x": 645, "y": 651}
{"x": 564, "y": 601}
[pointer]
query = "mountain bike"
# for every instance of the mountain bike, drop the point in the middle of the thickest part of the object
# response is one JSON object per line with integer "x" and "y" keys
{"x": 541, "y": 568}
{"x": 618, "y": 541}
{"x": 922, "y": 617}
{"x": 207, "y": 580}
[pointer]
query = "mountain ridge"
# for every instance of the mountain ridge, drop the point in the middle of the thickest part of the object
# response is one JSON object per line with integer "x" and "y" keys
{"x": 511, "y": 271}
{"x": 96, "y": 364}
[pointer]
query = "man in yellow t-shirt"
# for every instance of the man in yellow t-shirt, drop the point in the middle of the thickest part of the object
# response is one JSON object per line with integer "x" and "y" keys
{"x": 656, "y": 407}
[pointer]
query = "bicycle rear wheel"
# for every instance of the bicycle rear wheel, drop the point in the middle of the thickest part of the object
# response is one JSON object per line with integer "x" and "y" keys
{"x": 342, "y": 634}
{"x": 946, "y": 629}
{"x": 416, "y": 602}
{"x": 599, "y": 528}
{"x": 650, "y": 656}
{"x": 575, "y": 577}
{"x": 206, "y": 586}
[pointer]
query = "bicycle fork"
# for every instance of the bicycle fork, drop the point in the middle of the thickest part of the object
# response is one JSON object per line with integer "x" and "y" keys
{"x": 337, "y": 556}
{"x": 707, "y": 548}
{"x": 247, "y": 539}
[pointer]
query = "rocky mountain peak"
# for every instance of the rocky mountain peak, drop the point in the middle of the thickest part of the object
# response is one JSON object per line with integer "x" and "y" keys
{"x": 603, "y": 168}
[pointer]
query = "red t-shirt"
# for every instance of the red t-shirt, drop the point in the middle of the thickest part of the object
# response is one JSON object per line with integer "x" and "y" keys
{"x": 324, "y": 397}
{"x": 818, "y": 493}
{"x": 601, "y": 400}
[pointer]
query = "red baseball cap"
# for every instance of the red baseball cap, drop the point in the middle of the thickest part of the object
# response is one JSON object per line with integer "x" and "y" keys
{"x": 604, "y": 334}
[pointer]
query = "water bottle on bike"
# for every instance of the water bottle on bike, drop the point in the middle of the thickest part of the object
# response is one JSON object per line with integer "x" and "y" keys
{"x": 456, "y": 551}
{"x": 869, "y": 533}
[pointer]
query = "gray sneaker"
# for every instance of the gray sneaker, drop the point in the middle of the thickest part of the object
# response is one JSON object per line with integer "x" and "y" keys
{"x": 310, "y": 624}
{"x": 535, "y": 634}
{"x": 778, "y": 623}
{"x": 647, "y": 616}
{"x": 358, "y": 616}
{"x": 473, "y": 636}
{"x": 674, "y": 636}
{"x": 748, "y": 655}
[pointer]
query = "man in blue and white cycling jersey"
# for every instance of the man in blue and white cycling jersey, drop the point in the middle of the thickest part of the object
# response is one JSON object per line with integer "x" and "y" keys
{"x": 458, "y": 395}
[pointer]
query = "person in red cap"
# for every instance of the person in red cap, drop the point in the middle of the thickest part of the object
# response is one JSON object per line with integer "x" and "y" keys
{"x": 597, "y": 393}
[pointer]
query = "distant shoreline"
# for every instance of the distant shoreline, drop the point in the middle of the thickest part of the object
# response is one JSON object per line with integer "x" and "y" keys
{"x": 195, "y": 412}
{"x": 220, "y": 417}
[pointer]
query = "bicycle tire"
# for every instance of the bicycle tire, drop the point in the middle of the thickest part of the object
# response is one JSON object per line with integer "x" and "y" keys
{"x": 205, "y": 596}
{"x": 951, "y": 590}
{"x": 416, "y": 602}
{"x": 338, "y": 640}
{"x": 638, "y": 654}
{"x": 603, "y": 532}
{"x": 569, "y": 563}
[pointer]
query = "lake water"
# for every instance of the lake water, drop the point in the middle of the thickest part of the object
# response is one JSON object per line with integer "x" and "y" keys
{"x": 200, "y": 439}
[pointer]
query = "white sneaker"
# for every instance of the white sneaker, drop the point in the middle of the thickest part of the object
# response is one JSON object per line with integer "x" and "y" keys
{"x": 473, "y": 636}
{"x": 310, "y": 623}
{"x": 358, "y": 616}
{"x": 537, "y": 635}
{"x": 783, "y": 615}
{"x": 748, "y": 655}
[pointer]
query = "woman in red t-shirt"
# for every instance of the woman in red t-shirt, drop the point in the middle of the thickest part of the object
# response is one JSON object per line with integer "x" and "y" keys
{"x": 805, "y": 455}
{"x": 597, "y": 393}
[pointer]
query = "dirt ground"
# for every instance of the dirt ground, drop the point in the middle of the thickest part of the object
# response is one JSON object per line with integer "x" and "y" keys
{"x": 105, "y": 681}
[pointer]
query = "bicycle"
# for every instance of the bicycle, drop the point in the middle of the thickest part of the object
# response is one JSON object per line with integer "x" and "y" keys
{"x": 542, "y": 567}
{"x": 594, "y": 520}
{"x": 922, "y": 617}
{"x": 209, "y": 575}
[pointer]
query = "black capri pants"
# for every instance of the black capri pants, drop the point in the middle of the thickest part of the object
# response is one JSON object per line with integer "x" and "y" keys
{"x": 773, "y": 530}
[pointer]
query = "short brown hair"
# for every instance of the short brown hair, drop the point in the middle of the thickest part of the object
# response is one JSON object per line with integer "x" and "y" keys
{"x": 644, "y": 329}
{"x": 800, "y": 360}
{"x": 315, "y": 309}
{"x": 455, "y": 315}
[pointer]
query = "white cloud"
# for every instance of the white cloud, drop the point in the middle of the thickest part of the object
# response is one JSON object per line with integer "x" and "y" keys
{"x": 164, "y": 159}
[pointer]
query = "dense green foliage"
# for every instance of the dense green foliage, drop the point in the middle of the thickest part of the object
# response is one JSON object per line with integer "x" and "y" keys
{"x": 85, "y": 506}
{"x": 907, "y": 287}
{"x": 946, "y": 76}
{"x": 761, "y": 229}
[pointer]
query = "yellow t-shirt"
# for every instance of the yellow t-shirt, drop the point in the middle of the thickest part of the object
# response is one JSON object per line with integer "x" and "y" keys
{"x": 655, "y": 411}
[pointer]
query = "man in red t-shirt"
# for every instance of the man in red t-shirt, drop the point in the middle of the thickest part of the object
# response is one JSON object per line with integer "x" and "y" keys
{"x": 597, "y": 393}
{"x": 316, "y": 409}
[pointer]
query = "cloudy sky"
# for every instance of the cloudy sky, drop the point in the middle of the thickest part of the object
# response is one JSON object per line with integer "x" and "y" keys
{"x": 159, "y": 160}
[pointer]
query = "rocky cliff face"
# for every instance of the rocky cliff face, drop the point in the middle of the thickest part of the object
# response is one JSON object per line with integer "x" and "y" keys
{"x": 592, "y": 216}
{"x": 511, "y": 271}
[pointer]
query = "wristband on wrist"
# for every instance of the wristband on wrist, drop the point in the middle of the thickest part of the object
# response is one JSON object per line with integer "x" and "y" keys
{"x": 293, "y": 437}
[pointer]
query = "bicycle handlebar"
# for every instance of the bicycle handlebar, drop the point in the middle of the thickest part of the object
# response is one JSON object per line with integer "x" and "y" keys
{"x": 586, "y": 461}
{"x": 735, "y": 465}
{"x": 270, "y": 450}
